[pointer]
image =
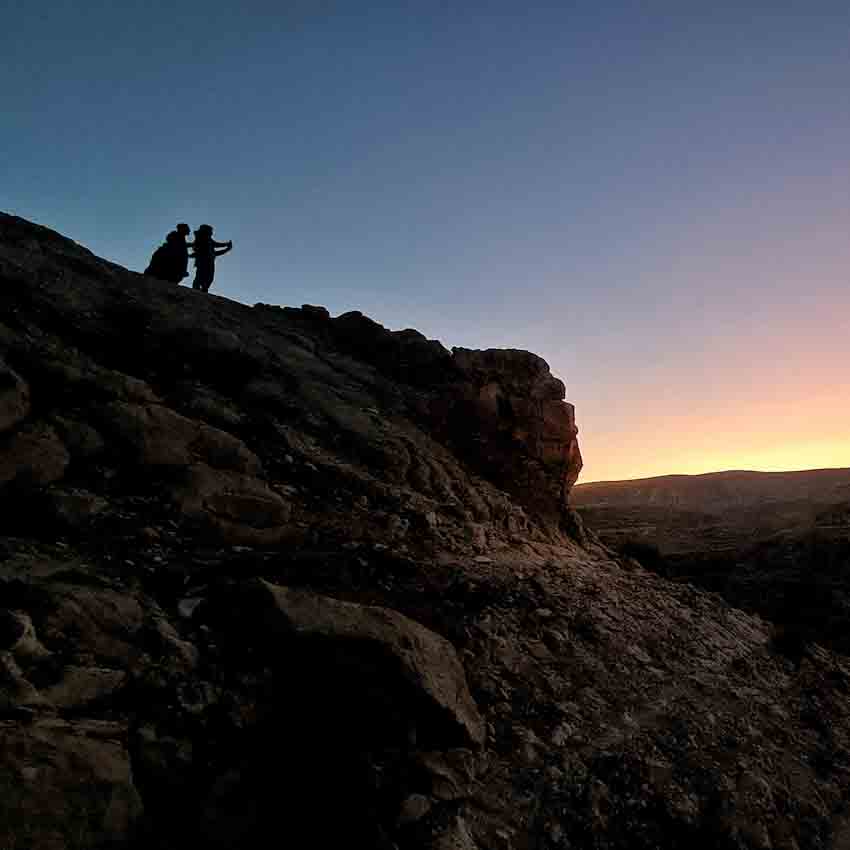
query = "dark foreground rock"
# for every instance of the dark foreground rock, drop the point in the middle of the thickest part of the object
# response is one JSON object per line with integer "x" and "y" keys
{"x": 267, "y": 572}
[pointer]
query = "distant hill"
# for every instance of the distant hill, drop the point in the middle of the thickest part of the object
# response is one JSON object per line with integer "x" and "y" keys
{"x": 716, "y": 492}
{"x": 776, "y": 543}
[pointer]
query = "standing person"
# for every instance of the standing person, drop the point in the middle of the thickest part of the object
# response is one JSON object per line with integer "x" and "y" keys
{"x": 205, "y": 249}
{"x": 180, "y": 263}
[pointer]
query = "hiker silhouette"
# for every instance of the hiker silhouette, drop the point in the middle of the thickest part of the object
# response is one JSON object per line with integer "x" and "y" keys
{"x": 171, "y": 261}
{"x": 205, "y": 249}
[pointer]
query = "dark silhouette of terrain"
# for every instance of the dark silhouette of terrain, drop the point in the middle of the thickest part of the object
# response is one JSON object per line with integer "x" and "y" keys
{"x": 777, "y": 544}
{"x": 270, "y": 576}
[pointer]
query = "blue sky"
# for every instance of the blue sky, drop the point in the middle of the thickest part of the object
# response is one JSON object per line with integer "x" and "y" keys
{"x": 653, "y": 196}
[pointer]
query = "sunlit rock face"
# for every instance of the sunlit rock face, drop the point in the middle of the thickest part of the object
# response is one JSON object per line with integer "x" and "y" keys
{"x": 518, "y": 425}
{"x": 500, "y": 410}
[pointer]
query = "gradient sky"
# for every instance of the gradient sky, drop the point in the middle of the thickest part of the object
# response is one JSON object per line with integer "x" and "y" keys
{"x": 651, "y": 195}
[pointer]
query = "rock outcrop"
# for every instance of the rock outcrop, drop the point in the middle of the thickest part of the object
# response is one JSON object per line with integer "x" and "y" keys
{"x": 267, "y": 572}
{"x": 390, "y": 671}
{"x": 512, "y": 418}
{"x": 501, "y": 410}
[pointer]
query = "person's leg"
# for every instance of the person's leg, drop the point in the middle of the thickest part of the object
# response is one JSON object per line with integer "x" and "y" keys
{"x": 207, "y": 279}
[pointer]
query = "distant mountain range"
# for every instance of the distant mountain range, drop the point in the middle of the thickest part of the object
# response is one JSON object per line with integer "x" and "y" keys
{"x": 717, "y": 492}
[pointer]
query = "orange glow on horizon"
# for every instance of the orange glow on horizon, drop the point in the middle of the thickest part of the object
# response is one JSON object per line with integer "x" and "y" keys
{"x": 825, "y": 455}
{"x": 779, "y": 434}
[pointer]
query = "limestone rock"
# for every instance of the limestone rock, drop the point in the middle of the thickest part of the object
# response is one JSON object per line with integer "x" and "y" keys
{"x": 235, "y": 508}
{"x": 159, "y": 436}
{"x": 509, "y": 419}
{"x": 403, "y": 670}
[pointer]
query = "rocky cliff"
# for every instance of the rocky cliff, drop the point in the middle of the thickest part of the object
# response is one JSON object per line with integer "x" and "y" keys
{"x": 272, "y": 575}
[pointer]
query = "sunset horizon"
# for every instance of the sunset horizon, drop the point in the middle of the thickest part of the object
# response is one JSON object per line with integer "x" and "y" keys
{"x": 654, "y": 201}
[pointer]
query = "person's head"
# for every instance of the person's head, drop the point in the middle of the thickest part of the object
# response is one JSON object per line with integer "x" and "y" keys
{"x": 173, "y": 237}
{"x": 204, "y": 232}
{"x": 183, "y": 229}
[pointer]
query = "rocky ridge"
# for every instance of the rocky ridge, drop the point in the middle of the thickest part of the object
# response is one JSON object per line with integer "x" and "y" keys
{"x": 268, "y": 572}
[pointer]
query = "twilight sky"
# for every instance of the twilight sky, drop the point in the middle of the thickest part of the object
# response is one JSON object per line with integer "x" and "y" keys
{"x": 651, "y": 195}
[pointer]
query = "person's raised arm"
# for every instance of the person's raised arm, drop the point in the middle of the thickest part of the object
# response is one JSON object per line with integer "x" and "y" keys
{"x": 226, "y": 247}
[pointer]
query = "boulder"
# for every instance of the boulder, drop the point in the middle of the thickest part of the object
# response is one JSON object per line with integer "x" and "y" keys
{"x": 349, "y": 692}
{"x": 402, "y": 676}
{"x": 235, "y": 508}
{"x": 159, "y": 436}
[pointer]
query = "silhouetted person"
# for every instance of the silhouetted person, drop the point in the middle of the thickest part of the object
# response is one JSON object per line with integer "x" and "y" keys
{"x": 205, "y": 249}
{"x": 181, "y": 255}
{"x": 171, "y": 261}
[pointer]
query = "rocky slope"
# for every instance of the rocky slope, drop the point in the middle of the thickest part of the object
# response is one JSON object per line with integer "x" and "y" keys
{"x": 272, "y": 574}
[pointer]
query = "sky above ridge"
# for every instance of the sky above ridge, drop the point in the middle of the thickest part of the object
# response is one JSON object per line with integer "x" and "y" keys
{"x": 653, "y": 196}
